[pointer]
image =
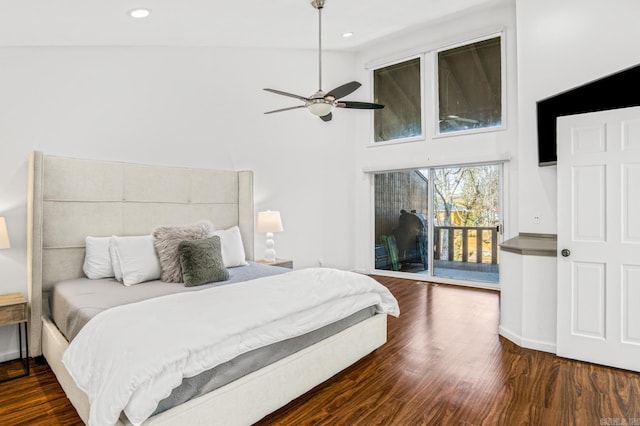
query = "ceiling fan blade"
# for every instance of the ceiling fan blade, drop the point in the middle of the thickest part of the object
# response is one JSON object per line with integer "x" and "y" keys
{"x": 344, "y": 90}
{"x": 291, "y": 95}
{"x": 466, "y": 120}
{"x": 327, "y": 117}
{"x": 359, "y": 105}
{"x": 286, "y": 109}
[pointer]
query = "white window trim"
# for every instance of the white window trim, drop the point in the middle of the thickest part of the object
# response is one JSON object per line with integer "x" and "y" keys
{"x": 504, "y": 220}
{"x": 503, "y": 89}
{"x": 490, "y": 158}
{"x": 422, "y": 136}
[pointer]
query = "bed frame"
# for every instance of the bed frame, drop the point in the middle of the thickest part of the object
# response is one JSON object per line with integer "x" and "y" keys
{"x": 72, "y": 198}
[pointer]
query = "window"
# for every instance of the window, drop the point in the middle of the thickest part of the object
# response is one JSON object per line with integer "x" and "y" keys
{"x": 439, "y": 222}
{"x": 401, "y": 209}
{"x": 470, "y": 86}
{"x": 398, "y": 88}
{"x": 466, "y": 206}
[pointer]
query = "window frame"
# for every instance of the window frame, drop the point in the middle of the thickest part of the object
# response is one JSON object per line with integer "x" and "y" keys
{"x": 503, "y": 200}
{"x": 423, "y": 104}
{"x": 503, "y": 88}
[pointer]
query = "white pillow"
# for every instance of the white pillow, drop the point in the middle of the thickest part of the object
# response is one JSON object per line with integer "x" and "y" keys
{"x": 115, "y": 261}
{"x": 136, "y": 258}
{"x": 97, "y": 260}
{"x": 232, "y": 248}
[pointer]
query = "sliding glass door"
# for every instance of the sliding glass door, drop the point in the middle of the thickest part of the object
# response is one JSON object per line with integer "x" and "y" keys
{"x": 455, "y": 211}
{"x": 401, "y": 218}
{"x": 466, "y": 222}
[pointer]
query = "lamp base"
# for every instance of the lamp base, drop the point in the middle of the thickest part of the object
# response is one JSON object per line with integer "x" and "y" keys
{"x": 270, "y": 252}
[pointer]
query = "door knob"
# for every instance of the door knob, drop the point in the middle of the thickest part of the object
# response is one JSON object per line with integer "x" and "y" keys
{"x": 565, "y": 252}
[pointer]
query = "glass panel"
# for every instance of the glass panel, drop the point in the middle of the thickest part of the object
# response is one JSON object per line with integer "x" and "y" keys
{"x": 470, "y": 86}
{"x": 401, "y": 202}
{"x": 466, "y": 214}
{"x": 397, "y": 87}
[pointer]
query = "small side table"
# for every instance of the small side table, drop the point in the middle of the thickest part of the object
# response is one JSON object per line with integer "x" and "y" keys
{"x": 283, "y": 263}
{"x": 13, "y": 310}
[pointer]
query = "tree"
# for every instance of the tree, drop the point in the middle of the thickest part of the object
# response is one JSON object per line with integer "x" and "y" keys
{"x": 446, "y": 185}
{"x": 480, "y": 190}
{"x": 468, "y": 192}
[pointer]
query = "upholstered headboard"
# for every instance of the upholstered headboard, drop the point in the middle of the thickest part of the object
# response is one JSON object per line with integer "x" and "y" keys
{"x": 70, "y": 199}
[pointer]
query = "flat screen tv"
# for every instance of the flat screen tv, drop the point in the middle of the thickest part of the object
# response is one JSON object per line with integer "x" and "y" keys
{"x": 619, "y": 90}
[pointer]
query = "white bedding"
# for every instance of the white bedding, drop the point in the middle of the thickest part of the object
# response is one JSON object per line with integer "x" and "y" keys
{"x": 130, "y": 357}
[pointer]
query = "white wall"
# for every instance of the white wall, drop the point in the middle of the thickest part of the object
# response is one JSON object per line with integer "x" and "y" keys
{"x": 194, "y": 107}
{"x": 487, "y": 146}
{"x": 561, "y": 45}
{"x": 202, "y": 107}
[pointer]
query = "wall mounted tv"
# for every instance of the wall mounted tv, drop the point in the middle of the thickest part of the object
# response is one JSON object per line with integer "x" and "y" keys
{"x": 619, "y": 90}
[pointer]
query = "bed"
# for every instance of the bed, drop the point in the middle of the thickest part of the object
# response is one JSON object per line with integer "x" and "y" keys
{"x": 70, "y": 199}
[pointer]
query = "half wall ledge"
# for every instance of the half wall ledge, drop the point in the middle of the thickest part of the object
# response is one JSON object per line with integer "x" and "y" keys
{"x": 528, "y": 286}
{"x": 532, "y": 244}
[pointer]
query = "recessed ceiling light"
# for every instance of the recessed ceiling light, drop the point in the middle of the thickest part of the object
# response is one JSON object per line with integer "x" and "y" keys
{"x": 347, "y": 35}
{"x": 139, "y": 13}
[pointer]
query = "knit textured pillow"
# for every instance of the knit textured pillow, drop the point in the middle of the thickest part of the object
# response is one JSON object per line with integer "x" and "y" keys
{"x": 166, "y": 240}
{"x": 202, "y": 262}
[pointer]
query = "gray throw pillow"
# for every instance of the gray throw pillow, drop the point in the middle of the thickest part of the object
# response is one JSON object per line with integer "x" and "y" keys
{"x": 201, "y": 261}
{"x": 166, "y": 240}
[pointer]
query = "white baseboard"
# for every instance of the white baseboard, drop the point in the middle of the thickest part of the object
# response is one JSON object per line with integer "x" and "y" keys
{"x": 527, "y": 343}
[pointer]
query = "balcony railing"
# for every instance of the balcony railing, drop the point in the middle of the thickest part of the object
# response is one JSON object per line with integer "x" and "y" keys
{"x": 466, "y": 244}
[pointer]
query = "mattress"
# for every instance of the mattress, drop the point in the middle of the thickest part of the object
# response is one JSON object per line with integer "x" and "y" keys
{"x": 74, "y": 302}
{"x": 249, "y": 362}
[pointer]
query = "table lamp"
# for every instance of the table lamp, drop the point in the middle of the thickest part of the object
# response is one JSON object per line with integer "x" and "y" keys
{"x": 269, "y": 222}
{"x": 4, "y": 234}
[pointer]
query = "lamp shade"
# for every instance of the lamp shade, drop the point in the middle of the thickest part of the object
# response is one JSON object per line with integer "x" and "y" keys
{"x": 269, "y": 221}
{"x": 4, "y": 234}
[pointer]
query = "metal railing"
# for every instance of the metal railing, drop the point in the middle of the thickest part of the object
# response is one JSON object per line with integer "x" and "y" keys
{"x": 466, "y": 244}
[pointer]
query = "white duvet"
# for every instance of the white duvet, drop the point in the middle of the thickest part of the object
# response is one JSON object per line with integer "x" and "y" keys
{"x": 130, "y": 357}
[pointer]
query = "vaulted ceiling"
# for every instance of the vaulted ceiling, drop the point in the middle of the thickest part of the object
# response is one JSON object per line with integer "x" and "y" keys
{"x": 235, "y": 23}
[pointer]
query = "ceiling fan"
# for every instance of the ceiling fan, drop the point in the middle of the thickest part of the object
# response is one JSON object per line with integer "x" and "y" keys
{"x": 455, "y": 122}
{"x": 321, "y": 103}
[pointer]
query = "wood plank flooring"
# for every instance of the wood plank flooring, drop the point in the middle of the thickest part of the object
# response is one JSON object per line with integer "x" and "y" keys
{"x": 36, "y": 400}
{"x": 444, "y": 364}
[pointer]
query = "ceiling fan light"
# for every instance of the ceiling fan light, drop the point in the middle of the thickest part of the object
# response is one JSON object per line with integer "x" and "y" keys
{"x": 319, "y": 108}
{"x": 139, "y": 13}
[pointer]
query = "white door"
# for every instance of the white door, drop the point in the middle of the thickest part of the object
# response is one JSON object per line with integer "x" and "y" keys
{"x": 599, "y": 237}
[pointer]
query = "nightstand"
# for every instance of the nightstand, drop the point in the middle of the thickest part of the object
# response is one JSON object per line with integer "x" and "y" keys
{"x": 283, "y": 263}
{"x": 13, "y": 310}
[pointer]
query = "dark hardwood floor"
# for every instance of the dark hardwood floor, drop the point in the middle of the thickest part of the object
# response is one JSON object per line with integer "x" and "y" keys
{"x": 34, "y": 400}
{"x": 444, "y": 364}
